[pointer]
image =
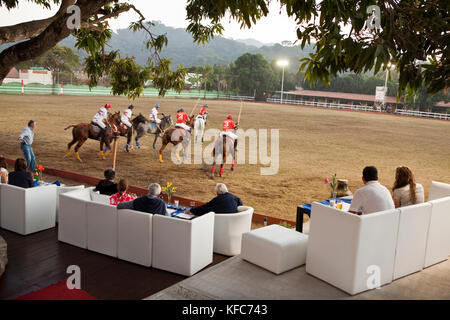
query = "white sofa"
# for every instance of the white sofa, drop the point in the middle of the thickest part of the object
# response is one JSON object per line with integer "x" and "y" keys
{"x": 411, "y": 239}
{"x": 101, "y": 228}
{"x": 343, "y": 247}
{"x": 72, "y": 224}
{"x": 134, "y": 237}
{"x": 228, "y": 230}
{"x": 438, "y": 238}
{"x": 182, "y": 246}
{"x": 26, "y": 211}
{"x": 438, "y": 190}
{"x": 64, "y": 189}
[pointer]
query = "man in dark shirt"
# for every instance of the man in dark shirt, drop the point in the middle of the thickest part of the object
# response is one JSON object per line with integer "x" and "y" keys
{"x": 150, "y": 203}
{"x": 225, "y": 202}
{"x": 20, "y": 177}
{"x": 107, "y": 186}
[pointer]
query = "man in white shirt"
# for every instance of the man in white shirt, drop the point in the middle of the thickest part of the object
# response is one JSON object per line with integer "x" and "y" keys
{"x": 373, "y": 197}
{"x": 126, "y": 116}
{"x": 154, "y": 116}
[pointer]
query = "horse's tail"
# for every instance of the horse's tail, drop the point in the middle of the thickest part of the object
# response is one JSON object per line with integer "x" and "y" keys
{"x": 71, "y": 126}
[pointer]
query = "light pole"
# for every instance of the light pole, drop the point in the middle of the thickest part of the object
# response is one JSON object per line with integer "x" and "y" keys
{"x": 388, "y": 67}
{"x": 283, "y": 64}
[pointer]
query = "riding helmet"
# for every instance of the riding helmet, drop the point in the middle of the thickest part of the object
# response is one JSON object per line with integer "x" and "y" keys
{"x": 205, "y": 105}
{"x": 108, "y": 106}
{"x": 230, "y": 117}
{"x": 181, "y": 110}
{"x": 157, "y": 105}
{"x": 131, "y": 106}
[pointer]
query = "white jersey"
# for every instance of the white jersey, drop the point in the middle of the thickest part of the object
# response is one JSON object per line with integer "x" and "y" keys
{"x": 101, "y": 115}
{"x": 154, "y": 116}
{"x": 126, "y": 115}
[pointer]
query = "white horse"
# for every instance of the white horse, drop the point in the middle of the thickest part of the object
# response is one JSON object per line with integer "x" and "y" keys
{"x": 199, "y": 127}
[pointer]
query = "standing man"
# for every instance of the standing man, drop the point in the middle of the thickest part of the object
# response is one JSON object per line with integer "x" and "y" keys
{"x": 26, "y": 140}
{"x": 126, "y": 116}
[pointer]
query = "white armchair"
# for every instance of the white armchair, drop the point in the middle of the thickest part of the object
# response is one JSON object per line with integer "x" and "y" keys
{"x": 100, "y": 198}
{"x": 182, "y": 246}
{"x": 26, "y": 211}
{"x": 438, "y": 240}
{"x": 411, "y": 239}
{"x": 343, "y": 247}
{"x": 228, "y": 230}
{"x": 61, "y": 190}
{"x": 72, "y": 224}
{"x": 135, "y": 237}
{"x": 102, "y": 228}
{"x": 438, "y": 190}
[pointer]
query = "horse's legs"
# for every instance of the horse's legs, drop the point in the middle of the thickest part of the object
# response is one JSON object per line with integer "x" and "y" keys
{"x": 154, "y": 141}
{"x": 138, "y": 136}
{"x": 164, "y": 145}
{"x": 234, "y": 155}
{"x": 213, "y": 169}
{"x": 69, "y": 146}
{"x": 108, "y": 147}
{"x": 77, "y": 147}
{"x": 129, "y": 137}
{"x": 224, "y": 155}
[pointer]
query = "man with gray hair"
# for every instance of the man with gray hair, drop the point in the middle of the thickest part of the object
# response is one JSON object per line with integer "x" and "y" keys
{"x": 150, "y": 203}
{"x": 224, "y": 202}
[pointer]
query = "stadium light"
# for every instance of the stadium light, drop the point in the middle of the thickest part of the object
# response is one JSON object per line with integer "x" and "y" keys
{"x": 283, "y": 64}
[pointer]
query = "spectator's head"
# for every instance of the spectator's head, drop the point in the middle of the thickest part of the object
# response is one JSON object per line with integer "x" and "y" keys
{"x": 110, "y": 174}
{"x": 32, "y": 124}
{"x": 3, "y": 163}
{"x": 122, "y": 186}
{"x": 20, "y": 165}
{"x": 370, "y": 174}
{"x": 154, "y": 189}
{"x": 221, "y": 188}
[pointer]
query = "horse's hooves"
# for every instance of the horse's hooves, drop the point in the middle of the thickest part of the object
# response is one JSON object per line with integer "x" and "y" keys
{"x": 232, "y": 169}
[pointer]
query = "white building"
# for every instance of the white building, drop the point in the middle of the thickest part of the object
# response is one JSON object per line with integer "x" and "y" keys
{"x": 40, "y": 76}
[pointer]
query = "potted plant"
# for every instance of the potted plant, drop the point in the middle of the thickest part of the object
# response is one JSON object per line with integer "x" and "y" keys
{"x": 38, "y": 173}
{"x": 333, "y": 185}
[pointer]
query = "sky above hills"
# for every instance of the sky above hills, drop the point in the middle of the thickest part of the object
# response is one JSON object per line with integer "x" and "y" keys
{"x": 276, "y": 27}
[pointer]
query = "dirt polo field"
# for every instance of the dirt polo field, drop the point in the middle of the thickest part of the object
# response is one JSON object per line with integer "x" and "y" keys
{"x": 313, "y": 144}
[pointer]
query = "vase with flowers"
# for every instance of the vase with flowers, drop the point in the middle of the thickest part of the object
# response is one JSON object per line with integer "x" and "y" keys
{"x": 37, "y": 173}
{"x": 332, "y": 182}
{"x": 169, "y": 190}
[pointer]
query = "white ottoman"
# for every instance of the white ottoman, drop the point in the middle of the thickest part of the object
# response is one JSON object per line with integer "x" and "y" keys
{"x": 275, "y": 248}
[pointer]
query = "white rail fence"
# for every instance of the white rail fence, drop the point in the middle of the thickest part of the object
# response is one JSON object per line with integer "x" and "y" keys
{"x": 187, "y": 94}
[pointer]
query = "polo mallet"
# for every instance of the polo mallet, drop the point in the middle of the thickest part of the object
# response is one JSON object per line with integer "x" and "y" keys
{"x": 235, "y": 151}
{"x": 195, "y": 107}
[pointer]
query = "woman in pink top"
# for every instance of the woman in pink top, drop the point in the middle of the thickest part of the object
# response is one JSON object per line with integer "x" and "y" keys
{"x": 122, "y": 195}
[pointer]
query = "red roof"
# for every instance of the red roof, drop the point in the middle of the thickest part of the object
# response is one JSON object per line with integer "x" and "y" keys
{"x": 339, "y": 95}
{"x": 13, "y": 73}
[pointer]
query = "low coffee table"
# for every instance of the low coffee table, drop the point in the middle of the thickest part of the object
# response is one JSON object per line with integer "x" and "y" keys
{"x": 3, "y": 255}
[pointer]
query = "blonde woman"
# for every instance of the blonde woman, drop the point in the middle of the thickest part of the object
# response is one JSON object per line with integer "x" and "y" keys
{"x": 406, "y": 191}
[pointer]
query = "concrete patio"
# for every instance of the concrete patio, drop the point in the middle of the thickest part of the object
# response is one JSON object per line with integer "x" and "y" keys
{"x": 236, "y": 279}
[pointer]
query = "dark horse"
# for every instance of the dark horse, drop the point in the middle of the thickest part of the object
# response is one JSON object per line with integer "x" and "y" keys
{"x": 224, "y": 145}
{"x": 83, "y": 131}
{"x": 142, "y": 127}
{"x": 176, "y": 136}
{"x": 122, "y": 130}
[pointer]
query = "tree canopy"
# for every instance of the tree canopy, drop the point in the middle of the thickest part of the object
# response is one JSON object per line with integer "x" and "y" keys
{"x": 413, "y": 35}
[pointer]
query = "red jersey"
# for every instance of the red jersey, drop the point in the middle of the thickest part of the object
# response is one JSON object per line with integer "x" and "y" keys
{"x": 202, "y": 111}
{"x": 115, "y": 199}
{"x": 182, "y": 117}
{"x": 228, "y": 125}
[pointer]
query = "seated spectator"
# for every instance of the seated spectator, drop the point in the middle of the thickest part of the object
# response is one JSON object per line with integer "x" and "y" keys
{"x": 406, "y": 190}
{"x": 225, "y": 202}
{"x": 107, "y": 186}
{"x": 3, "y": 171}
{"x": 150, "y": 203}
{"x": 122, "y": 195}
{"x": 20, "y": 177}
{"x": 373, "y": 197}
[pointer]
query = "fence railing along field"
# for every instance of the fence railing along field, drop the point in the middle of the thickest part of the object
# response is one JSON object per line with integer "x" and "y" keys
{"x": 13, "y": 88}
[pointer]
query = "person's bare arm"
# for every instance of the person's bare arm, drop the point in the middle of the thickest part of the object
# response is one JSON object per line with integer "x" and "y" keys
{"x": 397, "y": 203}
{"x": 4, "y": 177}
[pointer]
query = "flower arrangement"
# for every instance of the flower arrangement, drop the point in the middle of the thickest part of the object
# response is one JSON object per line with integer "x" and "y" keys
{"x": 169, "y": 189}
{"x": 333, "y": 184}
{"x": 38, "y": 172}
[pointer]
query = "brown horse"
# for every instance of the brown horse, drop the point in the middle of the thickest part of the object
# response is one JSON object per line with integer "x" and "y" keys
{"x": 224, "y": 146}
{"x": 83, "y": 131}
{"x": 176, "y": 136}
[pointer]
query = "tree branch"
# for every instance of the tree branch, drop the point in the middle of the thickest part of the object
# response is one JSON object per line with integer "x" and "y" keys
{"x": 31, "y": 29}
